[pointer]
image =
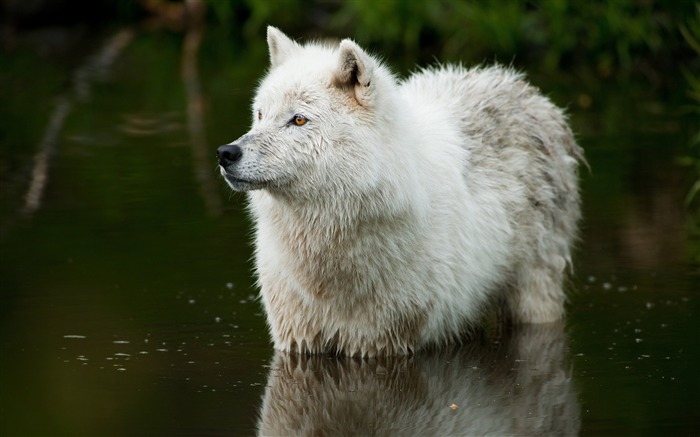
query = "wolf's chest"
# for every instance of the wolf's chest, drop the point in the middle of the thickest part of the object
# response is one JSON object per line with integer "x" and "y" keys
{"x": 330, "y": 261}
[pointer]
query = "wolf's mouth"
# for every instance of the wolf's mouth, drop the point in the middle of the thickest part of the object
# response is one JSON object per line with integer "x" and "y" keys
{"x": 239, "y": 184}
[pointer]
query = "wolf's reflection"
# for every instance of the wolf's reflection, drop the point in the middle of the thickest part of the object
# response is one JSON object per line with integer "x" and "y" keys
{"x": 519, "y": 384}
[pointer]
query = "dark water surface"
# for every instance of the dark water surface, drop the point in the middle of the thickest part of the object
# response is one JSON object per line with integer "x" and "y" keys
{"x": 128, "y": 307}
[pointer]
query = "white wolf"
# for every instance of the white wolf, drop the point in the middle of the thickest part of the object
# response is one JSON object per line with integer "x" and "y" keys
{"x": 389, "y": 214}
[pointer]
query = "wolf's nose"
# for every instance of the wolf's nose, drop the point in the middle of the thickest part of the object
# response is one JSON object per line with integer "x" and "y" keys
{"x": 228, "y": 154}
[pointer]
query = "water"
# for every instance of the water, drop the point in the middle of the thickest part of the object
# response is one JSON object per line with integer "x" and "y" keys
{"x": 128, "y": 306}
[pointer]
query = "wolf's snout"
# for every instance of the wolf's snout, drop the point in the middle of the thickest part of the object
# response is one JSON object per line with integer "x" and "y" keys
{"x": 228, "y": 154}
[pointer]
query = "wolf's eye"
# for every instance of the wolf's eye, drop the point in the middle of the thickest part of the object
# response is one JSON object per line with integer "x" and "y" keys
{"x": 259, "y": 115}
{"x": 299, "y": 120}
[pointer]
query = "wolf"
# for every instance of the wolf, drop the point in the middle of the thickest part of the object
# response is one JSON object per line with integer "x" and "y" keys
{"x": 389, "y": 214}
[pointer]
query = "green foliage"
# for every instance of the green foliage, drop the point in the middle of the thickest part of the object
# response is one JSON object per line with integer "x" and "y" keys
{"x": 691, "y": 33}
{"x": 607, "y": 37}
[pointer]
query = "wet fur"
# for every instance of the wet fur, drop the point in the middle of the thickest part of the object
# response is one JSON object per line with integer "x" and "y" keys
{"x": 392, "y": 219}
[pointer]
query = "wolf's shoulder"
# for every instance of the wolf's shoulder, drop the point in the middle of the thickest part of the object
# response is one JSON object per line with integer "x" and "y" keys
{"x": 455, "y": 77}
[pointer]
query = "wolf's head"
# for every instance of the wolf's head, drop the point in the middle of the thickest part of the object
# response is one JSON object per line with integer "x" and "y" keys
{"x": 321, "y": 117}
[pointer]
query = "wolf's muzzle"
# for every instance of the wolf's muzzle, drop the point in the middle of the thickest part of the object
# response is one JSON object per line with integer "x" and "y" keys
{"x": 228, "y": 154}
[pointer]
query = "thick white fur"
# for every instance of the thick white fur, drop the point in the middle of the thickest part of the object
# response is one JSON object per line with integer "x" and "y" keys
{"x": 400, "y": 210}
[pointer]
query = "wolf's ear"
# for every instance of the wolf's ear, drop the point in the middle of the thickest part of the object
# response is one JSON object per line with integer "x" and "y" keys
{"x": 281, "y": 47}
{"x": 355, "y": 71}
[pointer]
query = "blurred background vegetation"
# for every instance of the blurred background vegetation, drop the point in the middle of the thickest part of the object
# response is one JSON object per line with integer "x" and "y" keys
{"x": 619, "y": 37}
